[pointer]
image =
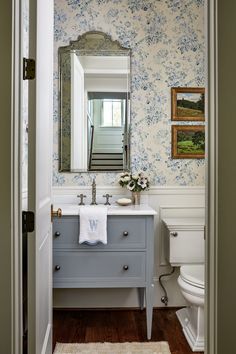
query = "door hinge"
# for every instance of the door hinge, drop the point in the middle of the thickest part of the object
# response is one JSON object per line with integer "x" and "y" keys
{"x": 27, "y": 221}
{"x": 28, "y": 69}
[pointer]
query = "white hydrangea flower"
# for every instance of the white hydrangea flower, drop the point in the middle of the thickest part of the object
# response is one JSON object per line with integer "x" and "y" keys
{"x": 136, "y": 177}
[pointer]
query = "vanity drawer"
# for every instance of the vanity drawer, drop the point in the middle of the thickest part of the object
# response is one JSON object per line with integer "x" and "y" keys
{"x": 123, "y": 232}
{"x": 73, "y": 269}
{"x": 127, "y": 231}
{"x": 66, "y": 232}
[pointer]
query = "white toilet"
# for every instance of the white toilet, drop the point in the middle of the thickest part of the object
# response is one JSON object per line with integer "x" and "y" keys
{"x": 184, "y": 247}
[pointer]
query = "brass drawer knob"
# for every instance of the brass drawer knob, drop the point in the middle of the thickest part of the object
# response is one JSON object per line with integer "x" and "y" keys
{"x": 57, "y": 234}
{"x": 125, "y": 267}
{"x": 125, "y": 233}
{"x": 57, "y": 267}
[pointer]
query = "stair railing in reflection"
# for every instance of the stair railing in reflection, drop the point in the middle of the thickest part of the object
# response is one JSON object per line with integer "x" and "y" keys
{"x": 91, "y": 130}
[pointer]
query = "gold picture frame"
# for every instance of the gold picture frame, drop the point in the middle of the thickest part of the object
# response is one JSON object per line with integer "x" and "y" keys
{"x": 187, "y": 104}
{"x": 188, "y": 141}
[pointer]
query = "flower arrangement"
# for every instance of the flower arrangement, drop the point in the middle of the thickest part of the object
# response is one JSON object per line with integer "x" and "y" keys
{"x": 134, "y": 183}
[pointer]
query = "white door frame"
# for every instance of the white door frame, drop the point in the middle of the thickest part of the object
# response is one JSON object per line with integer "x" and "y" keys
{"x": 211, "y": 244}
{"x": 17, "y": 74}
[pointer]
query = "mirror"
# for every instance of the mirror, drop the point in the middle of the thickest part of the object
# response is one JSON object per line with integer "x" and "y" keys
{"x": 94, "y": 104}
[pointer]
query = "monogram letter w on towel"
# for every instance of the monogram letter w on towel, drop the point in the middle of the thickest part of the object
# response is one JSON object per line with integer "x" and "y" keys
{"x": 93, "y": 225}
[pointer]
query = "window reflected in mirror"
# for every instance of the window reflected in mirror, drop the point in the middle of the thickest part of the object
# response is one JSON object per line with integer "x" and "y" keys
{"x": 112, "y": 113}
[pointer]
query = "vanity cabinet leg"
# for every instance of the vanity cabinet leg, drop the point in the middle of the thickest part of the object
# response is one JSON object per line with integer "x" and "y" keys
{"x": 149, "y": 292}
{"x": 141, "y": 297}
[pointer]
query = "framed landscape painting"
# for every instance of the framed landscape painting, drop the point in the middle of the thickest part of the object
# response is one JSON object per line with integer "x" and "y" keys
{"x": 188, "y": 141}
{"x": 188, "y": 103}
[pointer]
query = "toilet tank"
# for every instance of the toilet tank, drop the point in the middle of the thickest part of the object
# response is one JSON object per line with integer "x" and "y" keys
{"x": 184, "y": 240}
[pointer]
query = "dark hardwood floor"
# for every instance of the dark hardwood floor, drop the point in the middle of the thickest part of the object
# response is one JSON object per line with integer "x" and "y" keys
{"x": 83, "y": 326}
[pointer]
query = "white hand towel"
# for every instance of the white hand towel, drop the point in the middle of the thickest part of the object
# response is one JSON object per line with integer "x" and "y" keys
{"x": 93, "y": 224}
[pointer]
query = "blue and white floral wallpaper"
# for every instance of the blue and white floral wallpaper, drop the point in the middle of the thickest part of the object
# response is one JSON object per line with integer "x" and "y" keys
{"x": 168, "y": 48}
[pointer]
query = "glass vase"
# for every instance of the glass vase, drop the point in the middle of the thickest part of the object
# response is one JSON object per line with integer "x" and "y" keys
{"x": 136, "y": 198}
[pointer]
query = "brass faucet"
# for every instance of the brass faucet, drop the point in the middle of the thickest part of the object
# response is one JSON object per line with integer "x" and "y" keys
{"x": 94, "y": 193}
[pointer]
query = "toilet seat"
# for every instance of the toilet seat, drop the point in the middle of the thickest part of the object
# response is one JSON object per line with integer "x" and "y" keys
{"x": 193, "y": 275}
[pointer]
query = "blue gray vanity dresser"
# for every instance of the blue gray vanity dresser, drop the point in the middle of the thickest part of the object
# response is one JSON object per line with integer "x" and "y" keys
{"x": 125, "y": 262}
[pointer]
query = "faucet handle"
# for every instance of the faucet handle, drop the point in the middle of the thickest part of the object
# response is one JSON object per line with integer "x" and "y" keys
{"x": 107, "y": 196}
{"x": 81, "y": 196}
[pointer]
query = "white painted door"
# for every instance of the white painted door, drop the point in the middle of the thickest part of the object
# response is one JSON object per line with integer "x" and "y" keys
{"x": 40, "y": 165}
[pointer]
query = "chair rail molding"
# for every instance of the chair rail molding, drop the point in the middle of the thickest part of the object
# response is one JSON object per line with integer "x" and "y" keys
{"x": 70, "y": 190}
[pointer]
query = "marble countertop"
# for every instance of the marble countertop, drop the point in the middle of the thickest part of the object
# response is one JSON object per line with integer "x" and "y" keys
{"x": 142, "y": 209}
